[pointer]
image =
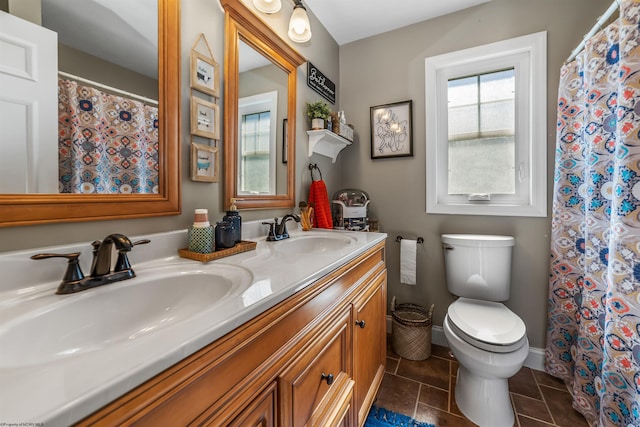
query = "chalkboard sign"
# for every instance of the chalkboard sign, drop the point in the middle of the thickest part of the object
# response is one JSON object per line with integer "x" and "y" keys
{"x": 321, "y": 84}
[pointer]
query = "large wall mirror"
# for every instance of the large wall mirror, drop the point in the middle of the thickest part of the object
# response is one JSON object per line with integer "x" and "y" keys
{"x": 90, "y": 130}
{"x": 260, "y": 112}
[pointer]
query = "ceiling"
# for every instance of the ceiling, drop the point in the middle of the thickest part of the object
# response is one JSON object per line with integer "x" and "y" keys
{"x": 124, "y": 32}
{"x": 350, "y": 20}
{"x": 131, "y": 26}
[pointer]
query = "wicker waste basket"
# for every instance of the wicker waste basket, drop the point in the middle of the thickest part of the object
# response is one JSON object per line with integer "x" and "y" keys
{"x": 411, "y": 330}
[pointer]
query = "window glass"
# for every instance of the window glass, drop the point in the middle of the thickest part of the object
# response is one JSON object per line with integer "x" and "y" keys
{"x": 481, "y": 127}
{"x": 257, "y": 132}
{"x": 255, "y": 140}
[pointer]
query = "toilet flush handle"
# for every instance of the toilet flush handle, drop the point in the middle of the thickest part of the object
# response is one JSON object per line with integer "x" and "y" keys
{"x": 447, "y": 247}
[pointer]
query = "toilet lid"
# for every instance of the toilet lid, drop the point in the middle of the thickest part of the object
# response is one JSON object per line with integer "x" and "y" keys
{"x": 486, "y": 324}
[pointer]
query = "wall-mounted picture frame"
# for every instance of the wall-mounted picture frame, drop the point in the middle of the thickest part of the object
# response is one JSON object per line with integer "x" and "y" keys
{"x": 392, "y": 130}
{"x": 285, "y": 141}
{"x": 205, "y": 71}
{"x": 204, "y": 163}
{"x": 205, "y": 118}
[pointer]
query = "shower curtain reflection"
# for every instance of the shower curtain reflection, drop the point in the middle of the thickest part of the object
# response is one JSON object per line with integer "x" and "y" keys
{"x": 593, "y": 341}
{"x": 107, "y": 144}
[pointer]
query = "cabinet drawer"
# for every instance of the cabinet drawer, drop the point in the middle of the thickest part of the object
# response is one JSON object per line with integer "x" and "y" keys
{"x": 319, "y": 376}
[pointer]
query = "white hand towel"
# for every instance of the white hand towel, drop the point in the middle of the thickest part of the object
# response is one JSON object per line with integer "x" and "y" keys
{"x": 408, "y": 261}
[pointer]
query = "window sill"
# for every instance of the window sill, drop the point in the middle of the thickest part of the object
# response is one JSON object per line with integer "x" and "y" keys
{"x": 481, "y": 208}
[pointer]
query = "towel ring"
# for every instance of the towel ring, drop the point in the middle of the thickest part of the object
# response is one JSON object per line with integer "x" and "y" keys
{"x": 312, "y": 167}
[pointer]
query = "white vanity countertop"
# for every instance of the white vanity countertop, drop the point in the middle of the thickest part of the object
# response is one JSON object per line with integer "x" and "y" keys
{"x": 70, "y": 387}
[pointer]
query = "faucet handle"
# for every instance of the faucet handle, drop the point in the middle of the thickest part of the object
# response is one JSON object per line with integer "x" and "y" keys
{"x": 73, "y": 273}
{"x": 122, "y": 263}
{"x": 271, "y": 236}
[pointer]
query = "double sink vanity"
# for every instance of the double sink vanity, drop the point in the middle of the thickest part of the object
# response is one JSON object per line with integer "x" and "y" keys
{"x": 291, "y": 333}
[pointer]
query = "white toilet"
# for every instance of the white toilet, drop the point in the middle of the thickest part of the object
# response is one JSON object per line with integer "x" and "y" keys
{"x": 488, "y": 339}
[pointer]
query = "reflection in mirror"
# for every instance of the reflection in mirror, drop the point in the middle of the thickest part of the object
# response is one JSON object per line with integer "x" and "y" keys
{"x": 97, "y": 107}
{"x": 107, "y": 121}
{"x": 262, "y": 107}
{"x": 256, "y": 143}
{"x": 260, "y": 112}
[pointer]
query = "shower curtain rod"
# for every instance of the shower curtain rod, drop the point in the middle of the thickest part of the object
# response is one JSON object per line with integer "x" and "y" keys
{"x": 109, "y": 88}
{"x": 607, "y": 14}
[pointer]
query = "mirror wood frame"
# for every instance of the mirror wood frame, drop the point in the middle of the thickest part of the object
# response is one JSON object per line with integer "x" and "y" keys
{"x": 242, "y": 24}
{"x": 31, "y": 209}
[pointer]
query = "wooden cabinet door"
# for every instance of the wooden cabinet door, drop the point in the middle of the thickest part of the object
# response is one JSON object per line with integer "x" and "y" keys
{"x": 261, "y": 412}
{"x": 369, "y": 349}
{"x": 317, "y": 389}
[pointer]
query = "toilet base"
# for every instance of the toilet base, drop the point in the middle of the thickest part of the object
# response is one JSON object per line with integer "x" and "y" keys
{"x": 484, "y": 401}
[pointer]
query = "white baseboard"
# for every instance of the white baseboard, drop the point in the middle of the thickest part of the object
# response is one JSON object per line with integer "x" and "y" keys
{"x": 535, "y": 359}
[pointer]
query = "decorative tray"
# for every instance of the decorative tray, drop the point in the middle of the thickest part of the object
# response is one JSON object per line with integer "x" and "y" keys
{"x": 243, "y": 246}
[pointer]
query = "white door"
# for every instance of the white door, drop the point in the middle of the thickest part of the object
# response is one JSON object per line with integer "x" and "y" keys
{"x": 28, "y": 107}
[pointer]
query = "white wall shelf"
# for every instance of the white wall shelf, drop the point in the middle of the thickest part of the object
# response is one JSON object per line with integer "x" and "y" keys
{"x": 326, "y": 143}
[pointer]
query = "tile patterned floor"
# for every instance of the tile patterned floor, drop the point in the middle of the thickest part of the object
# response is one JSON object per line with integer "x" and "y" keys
{"x": 423, "y": 390}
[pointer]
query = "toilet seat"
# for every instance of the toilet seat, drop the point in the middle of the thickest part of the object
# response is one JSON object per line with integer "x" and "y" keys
{"x": 487, "y": 325}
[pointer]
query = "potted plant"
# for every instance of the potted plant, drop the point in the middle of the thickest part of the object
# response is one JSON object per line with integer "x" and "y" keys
{"x": 318, "y": 112}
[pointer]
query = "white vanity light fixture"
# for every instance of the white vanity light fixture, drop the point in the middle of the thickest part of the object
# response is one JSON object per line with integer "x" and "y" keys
{"x": 267, "y": 6}
{"x": 299, "y": 26}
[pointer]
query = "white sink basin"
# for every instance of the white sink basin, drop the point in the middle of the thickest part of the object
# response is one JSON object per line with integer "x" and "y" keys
{"x": 313, "y": 244}
{"x": 71, "y": 325}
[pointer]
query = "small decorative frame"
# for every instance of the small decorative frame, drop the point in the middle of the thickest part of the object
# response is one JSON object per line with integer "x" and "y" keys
{"x": 205, "y": 118}
{"x": 205, "y": 71}
{"x": 392, "y": 130}
{"x": 204, "y": 163}
{"x": 285, "y": 140}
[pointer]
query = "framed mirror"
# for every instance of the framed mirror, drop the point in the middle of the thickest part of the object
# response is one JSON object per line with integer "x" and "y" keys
{"x": 24, "y": 205}
{"x": 260, "y": 112}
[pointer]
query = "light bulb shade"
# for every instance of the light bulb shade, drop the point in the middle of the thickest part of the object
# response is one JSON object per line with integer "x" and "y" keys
{"x": 299, "y": 26}
{"x": 267, "y": 6}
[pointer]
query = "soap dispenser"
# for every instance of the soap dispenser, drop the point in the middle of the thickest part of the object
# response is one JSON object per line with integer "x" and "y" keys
{"x": 233, "y": 217}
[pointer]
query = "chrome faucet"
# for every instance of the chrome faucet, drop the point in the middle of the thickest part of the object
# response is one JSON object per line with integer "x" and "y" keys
{"x": 279, "y": 231}
{"x": 101, "y": 274}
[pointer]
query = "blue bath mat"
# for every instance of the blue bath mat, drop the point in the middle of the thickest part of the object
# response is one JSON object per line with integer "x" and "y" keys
{"x": 380, "y": 417}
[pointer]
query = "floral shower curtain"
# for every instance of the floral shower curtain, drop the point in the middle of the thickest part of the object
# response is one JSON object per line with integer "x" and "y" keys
{"x": 107, "y": 144}
{"x": 593, "y": 341}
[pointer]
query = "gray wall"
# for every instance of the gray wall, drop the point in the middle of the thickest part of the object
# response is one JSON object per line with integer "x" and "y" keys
{"x": 203, "y": 16}
{"x": 390, "y": 68}
{"x": 91, "y": 67}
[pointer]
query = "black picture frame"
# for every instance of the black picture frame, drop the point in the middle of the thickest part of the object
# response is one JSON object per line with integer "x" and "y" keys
{"x": 392, "y": 130}
{"x": 285, "y": 141}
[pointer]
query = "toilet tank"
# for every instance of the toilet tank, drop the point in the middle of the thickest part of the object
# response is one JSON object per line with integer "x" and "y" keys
{"x": 478, "y": 266}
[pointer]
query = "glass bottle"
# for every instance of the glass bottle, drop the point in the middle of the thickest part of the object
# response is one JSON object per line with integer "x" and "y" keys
{"x": 225, "y": 237}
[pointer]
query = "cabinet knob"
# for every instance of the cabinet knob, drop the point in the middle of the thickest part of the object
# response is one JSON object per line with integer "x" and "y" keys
{"x": 361, "y": 323}
{"x": 328, "y": 378}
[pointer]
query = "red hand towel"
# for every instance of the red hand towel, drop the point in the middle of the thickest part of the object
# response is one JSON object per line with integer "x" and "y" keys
{"x": 321, "y": 208}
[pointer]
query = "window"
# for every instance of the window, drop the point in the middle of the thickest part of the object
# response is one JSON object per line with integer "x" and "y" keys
{"x": 257, "y": 143}
{"x": 486, "y": 129}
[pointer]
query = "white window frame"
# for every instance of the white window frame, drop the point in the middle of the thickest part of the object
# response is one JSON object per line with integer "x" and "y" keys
{"x": 267, "y": 101}
{"x": 528, "y": 56}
